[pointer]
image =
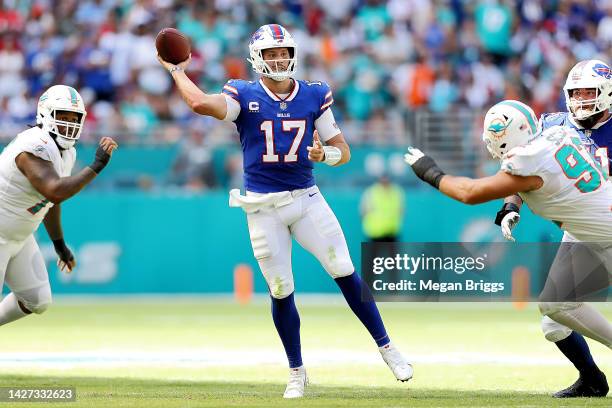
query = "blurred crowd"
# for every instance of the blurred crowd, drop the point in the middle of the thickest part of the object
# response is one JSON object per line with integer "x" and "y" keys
{"x": 385, "y": 60}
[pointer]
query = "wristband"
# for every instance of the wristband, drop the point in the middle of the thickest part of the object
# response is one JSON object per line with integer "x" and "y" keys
{"x": 175, "y": 68}
{"x": 332, "y": 155}
{"x": 101, "y": 160}
{"x": 59, "y": 244}
{"x": 427, "y": 170}
{"x": 506, "y": 209}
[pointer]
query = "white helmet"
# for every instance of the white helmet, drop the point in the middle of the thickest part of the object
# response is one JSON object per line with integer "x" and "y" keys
{"x": 61, "y": 98}
{"x": 272, "y": 36}
{"x": 508, "y": 124}
{"x": 591, "y": 74}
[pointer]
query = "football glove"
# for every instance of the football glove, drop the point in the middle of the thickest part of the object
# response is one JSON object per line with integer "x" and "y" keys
{"x": 65, "y": 256}
{"x": 508, "y": 223}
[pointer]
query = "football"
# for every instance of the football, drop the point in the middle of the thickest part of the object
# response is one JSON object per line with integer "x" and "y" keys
{"x": 172, "y": 45}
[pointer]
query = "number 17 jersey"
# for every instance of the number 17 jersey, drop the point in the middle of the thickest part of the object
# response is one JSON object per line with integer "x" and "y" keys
{"x": 275, "y": 132}
{"x": 576, "y": 193}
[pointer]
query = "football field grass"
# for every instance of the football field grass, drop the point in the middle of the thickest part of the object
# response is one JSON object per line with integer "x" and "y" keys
{"x": 189, "y": 352}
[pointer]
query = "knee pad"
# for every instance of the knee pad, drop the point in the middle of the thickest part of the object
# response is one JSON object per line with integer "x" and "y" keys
{"x": 281, "y": 287}
{"x": 548, "y": 308}
{"x": 259, "y": 242}
{"x": 36, "y": 300}
{"x": 340, "y": 267}
{"x": 554, "y": 331}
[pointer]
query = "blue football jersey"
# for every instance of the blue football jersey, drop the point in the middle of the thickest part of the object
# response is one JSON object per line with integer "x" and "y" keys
{"x": 275, "y": 131}
{"x": 598, "y": 140}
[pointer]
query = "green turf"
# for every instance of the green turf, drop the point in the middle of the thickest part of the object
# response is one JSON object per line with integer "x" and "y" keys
{"x": 425, "y": 331}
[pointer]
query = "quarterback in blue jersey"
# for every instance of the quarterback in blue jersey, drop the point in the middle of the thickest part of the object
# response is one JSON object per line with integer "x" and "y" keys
{"x": 588, "y": 97}
{"x": 286, "y": 126}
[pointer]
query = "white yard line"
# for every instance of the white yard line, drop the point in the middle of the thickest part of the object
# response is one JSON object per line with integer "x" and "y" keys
{"x": 208, "y": 357}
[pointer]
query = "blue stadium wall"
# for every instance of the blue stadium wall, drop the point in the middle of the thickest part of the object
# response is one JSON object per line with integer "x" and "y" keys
{"x": 137, "y": 242}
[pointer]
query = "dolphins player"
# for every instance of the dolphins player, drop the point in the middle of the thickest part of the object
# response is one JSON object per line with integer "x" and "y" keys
{"x": 558, "y": 179}
{"x": 588, "y": 97}
{"x": 34, "y": 179}
{"x": 286, "y": 126}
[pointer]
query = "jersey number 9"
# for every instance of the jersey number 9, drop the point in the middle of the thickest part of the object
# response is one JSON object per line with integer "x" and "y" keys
{"x": 576, "y": 166}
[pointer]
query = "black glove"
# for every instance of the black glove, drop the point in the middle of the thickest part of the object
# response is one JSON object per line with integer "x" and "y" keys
{"x": 506, "y": 209}
{"x": 101, "y": 160}
{"x": 425, "y": 168}
{"x": 63, "y": 252}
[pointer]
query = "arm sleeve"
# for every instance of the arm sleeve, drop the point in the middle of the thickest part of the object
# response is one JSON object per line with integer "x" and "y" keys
{"x": 232, "y": 100}
{"x": 326, "y": 125}
{"x": 233, "y": 108}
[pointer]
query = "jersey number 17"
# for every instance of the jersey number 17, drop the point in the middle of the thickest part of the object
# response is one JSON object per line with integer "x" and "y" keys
{"x": 267, "y": 127}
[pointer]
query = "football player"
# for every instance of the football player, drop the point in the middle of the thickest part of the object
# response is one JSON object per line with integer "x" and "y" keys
{"x": 34, "y": 179}
{"x": 554, "y": 173}
{"x": 588, "y": 97}
{"x": 286, "y": 126}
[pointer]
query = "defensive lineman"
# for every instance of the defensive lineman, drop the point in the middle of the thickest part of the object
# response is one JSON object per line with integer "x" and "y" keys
{"x": 285, "y": 126}
{"x": 558, "y": 179}
{"x": 588, "y": 97}
{"x": 34, "y": 179}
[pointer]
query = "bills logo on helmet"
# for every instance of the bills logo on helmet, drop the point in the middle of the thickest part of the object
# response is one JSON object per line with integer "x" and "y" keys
{"x": 257, "y": 35}
{"x": 603, "y": 70}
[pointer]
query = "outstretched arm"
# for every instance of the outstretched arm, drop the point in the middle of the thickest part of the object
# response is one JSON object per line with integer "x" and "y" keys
{"x": 43, "y": 177}
{"x": 476, "y": 191}
{"x": 205, "y": 104}
{"x": 465, "y": 189}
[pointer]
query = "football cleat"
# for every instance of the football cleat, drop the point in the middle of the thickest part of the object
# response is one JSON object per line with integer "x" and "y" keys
{"x": 297, "y": 382}
{"x": 594, "y": 385}
{"x": 400, "y": 367}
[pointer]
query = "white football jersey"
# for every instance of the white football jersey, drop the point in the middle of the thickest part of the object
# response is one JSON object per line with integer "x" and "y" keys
{"x": 576, "y": 193}
{"x": 22, "y": 208}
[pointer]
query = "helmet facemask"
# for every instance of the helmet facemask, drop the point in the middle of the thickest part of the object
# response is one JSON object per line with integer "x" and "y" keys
{"x": 584, "y": 107}
{"x": 66, "y": 127}
{"x": 61, "y": 113}
{"x": 271, "y": 68}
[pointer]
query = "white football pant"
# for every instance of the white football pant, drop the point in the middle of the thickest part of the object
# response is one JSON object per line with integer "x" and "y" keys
{"x": 306, "y": 216}
{"x": 560, "y": 318}
{"x": 23, "y": 269}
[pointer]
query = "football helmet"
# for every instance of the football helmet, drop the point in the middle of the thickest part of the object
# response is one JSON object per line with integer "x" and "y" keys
{"x": 61, "y": 98}
{"x": 588, "y": 74}
{"x": 272, "y": 36}
{"x": 508, "y": 124}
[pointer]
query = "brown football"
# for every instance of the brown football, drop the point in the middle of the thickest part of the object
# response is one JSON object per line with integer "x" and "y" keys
{"x": 172, "y": 45}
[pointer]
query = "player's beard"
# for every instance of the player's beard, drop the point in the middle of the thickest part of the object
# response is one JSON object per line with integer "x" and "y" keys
{"x": 591, "y": 121}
